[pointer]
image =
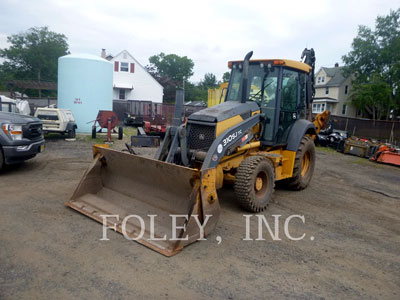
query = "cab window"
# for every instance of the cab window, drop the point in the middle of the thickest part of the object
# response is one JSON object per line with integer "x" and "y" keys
{"x": 290, "y": 90}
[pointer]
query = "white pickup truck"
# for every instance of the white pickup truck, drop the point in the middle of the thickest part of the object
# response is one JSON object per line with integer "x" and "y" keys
{"x": 57, "y": 120}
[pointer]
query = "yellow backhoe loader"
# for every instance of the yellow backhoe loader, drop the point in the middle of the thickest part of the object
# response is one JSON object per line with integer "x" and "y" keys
{"x": 261, "y": 134}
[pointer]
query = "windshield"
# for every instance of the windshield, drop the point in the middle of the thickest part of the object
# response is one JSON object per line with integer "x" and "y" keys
{"x": 263, "y": 83}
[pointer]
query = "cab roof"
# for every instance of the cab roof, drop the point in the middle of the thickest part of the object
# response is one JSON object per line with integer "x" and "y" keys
{"x": 277, "y": 62}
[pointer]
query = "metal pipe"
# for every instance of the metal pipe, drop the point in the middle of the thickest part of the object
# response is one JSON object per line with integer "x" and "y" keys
{"x": 245, "y": 75}
{"x": 179, "y": 98}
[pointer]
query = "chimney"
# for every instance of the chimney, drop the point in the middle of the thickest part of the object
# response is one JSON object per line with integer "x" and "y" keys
{"x": 103, "y": 53}
{"x": 337, "y": 65}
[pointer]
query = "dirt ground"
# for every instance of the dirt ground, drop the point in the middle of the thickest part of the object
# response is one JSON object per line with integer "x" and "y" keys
{"x": 351, "y": 249}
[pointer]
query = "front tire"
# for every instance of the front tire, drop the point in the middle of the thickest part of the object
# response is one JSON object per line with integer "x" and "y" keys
{"x": 254, "y": 183}
{"x": 1, "y": 159}
{"x": 304, "y": 165}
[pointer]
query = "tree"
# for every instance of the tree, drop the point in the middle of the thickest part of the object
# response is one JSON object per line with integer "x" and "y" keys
{"x": 171, "y": 71}
{"x": 175, "y": 67}
{"x": 374, "y": 61}
{"x": 226, "y": 77}
{"x": 373, "y": 95}
{"x": 33, "y": 55}
{"x": 209, "y": 81}
{"x": 195, "y": 92}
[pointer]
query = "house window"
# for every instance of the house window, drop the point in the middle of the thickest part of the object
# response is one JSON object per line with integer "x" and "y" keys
{"x": 318, "y": 108}
{"x": 124, "y": 67}
{"x": 122, "y": 94}
{"x": 327, "y": 91}
{"x": 344, "y": 109}
{"x": 321, "y": 79}
{"x": 346, "y": 89}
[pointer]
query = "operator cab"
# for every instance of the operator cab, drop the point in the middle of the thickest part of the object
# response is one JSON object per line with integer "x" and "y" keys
{"x": 279, "y": 89}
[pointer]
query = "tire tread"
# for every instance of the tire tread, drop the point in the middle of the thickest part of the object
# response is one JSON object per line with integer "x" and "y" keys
{"x": 243, "y": 182}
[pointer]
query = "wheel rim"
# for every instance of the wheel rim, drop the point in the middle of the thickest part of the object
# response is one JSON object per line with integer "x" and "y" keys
{"x": 261, "y": 184}
{"x": 305, "y": 163}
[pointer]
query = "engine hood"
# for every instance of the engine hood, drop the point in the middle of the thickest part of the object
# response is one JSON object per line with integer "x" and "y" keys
{"x": 16, "y": 118}
{"x": 225, "y": 111}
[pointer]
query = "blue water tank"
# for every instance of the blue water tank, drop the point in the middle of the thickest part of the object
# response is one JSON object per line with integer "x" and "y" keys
{"x": 85, "y": 85}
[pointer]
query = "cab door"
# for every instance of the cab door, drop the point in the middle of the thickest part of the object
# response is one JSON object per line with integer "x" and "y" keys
{"x": 290, "y": 107}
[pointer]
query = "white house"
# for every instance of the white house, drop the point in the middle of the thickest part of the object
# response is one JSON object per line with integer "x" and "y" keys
{"x": 132, "y": 81}
{"x": 332, "y": 91}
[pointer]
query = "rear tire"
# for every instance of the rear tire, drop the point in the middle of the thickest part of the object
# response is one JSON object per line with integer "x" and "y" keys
{"x": 71, "y": 134}
{"x": 94, "y": 132}
{"x": 254, "y": 183}
{"x": 304, "y": 165}
{"x": 120, "y": 133}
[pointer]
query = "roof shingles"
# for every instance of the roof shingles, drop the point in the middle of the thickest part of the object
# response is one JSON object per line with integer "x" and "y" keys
{"x": 336, "y": 75}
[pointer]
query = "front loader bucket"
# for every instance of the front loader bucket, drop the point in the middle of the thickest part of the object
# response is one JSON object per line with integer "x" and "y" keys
{"x": 155, "y": 203}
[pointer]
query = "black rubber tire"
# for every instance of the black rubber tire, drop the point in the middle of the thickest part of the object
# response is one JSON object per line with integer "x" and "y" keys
{"x": 299, "y": 181}
{"x": 1, "y": 159}
{"x": 94, "y": 131}
{"x": 120, "y": 133}
{"x": 245, "y": 183}
{"x": 71, "y": 134}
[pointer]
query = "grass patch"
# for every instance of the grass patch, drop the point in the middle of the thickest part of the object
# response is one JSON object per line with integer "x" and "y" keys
{"x": 361, "y": 161}
{"x": 326, "y": 149}
{"x": 88, "y": 138}
{"x": 129, "y": 131}
{"x": 55, "y": 136}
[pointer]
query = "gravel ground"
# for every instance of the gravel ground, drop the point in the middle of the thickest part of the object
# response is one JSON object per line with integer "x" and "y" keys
{"x": 351, "y": 249}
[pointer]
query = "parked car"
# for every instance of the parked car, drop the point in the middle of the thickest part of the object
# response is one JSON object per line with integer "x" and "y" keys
{"x": 57, "y": 120}
{"x": 21, "y": 138}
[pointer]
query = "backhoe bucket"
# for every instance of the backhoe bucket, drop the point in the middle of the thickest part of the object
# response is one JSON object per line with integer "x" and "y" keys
{"x": 162, "y": 206}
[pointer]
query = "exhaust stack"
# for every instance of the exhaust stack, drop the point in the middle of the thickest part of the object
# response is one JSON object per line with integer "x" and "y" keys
{"x": 245, "y": 76}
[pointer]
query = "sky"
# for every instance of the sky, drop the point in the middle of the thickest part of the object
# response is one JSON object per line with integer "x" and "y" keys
{"x": 209, "y": 32}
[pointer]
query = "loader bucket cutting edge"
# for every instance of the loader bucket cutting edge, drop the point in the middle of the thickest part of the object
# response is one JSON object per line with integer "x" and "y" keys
{"x": 134, "y": 187}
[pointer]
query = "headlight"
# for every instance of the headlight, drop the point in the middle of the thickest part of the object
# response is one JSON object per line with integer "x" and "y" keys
{"x": 13, "y": 131}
